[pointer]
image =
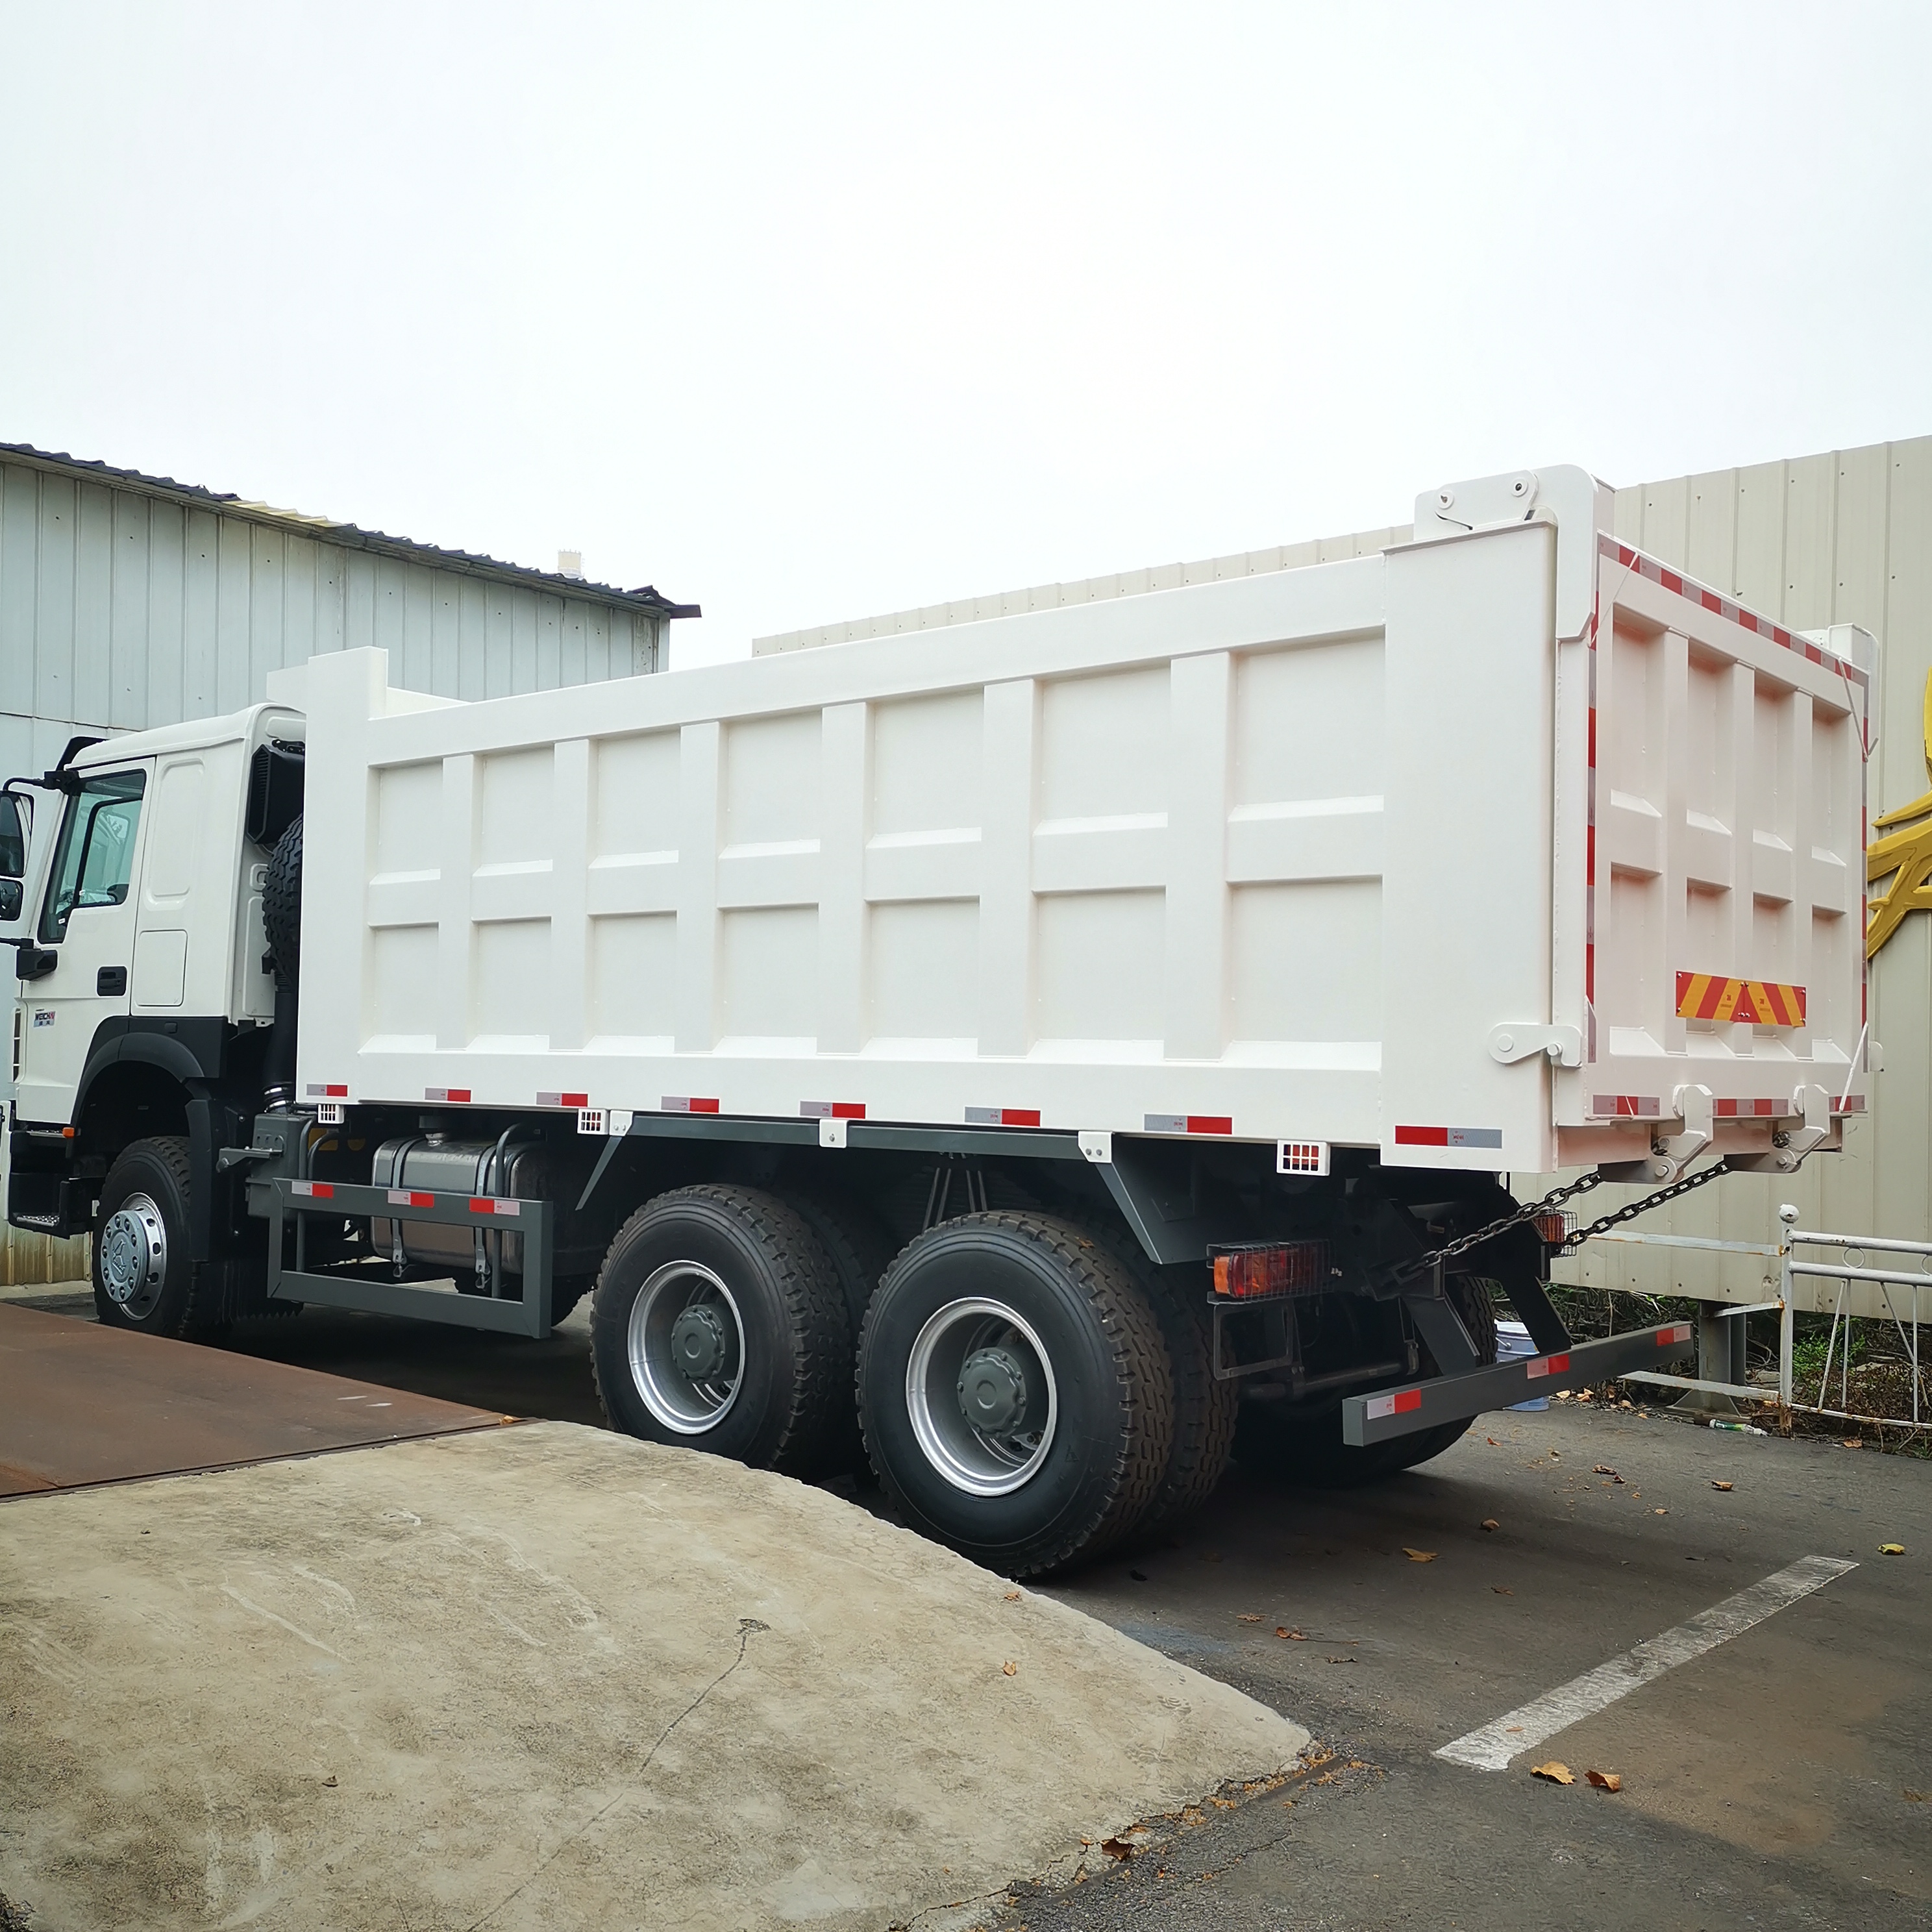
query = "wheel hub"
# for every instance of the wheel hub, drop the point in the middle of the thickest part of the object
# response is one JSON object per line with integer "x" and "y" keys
{"x": 993, "y": 1389}
{"x": 698, "y": 1343}
{"x": 133, "y": 1252}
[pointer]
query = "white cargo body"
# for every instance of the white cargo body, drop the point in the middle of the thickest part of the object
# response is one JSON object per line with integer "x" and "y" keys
{"x": 1504, "y": 850}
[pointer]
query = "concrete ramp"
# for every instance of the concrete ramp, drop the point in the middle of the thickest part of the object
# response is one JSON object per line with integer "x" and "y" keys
{"x": 546, "y": 1677}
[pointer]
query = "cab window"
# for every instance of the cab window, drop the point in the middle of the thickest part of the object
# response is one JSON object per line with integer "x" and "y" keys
{"x": 95, "y": 860}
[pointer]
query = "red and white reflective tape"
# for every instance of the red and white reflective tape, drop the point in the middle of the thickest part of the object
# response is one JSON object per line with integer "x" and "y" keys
{"x": 563, "y": 1100}
{"x": 1673, "y": 1335}
{"x": 1678, "y": 585}
{"x": 1746, "y": 1110}
{"x": 403, "y": 1197}
{"x": 1403, "y": 1402}
{"x": 1449, "y": 1137}
{"x": 1537, "y": 1366}
{"x": 1189, "y": 1124}
{"x": 684, "y": 1103}
{"x": 1850, "y": 1103}
{"x": 336, "y": 1090}
{"x": 1626, "y": 1107}
{"x": 1003, "y": 1117}
{"x": 494, "y": 1204}
{"x": 833, "y": 1110}
{"x": 447, "y": 1097}
{"x": 312, "y": 1190}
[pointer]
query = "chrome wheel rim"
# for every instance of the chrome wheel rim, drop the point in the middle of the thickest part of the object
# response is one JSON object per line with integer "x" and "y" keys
{"x": 981, "y": 1397}
{"x": 687, "y": 1347}
{"x": 133, "y": 1247}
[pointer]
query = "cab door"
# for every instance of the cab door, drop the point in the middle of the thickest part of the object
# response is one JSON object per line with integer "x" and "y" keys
{"x": 85, "y": 941}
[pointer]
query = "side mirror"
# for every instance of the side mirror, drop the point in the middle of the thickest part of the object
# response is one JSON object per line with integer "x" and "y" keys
{"x": 34, "y": 962}
{"x": 10, "y": 899}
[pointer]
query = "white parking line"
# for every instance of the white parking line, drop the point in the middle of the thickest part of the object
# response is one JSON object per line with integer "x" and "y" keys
{"x": 1491, "y": 1748}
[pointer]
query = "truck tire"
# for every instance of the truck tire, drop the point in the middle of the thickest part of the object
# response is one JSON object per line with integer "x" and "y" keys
{"x": 281, "y": 903}
{"x": 145, "y": 1278}
{"x": 1205, "y": 1410}
{"x": 1071, "y": 1423}
{"x": 860, "y": 1249}
{"x": 718, "y": 1325}
{"x": 860, "y": 1244}
{"x": 1278, "y": 1441}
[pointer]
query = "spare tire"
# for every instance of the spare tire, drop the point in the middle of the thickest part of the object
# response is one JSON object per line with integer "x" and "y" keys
{"x": 281, "y": 903}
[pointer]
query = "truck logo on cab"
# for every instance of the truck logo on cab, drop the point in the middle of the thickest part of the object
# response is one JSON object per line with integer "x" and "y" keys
{"x": 44, "y": 1016}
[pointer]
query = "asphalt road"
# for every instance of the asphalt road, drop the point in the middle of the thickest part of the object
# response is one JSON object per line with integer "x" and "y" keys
{"x": 1774, "y": 1780}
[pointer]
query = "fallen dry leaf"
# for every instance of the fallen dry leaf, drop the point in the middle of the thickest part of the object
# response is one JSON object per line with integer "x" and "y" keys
{"x": 1341, "y": 1659}
{"x": 1493, "y": 1442}
{"x": 1659, "y": 1512}
{"x": 1490, "y": 1522}
{"x": 1418, "y": 1556}
{"x": 1556, "y": 1773}
{"x": 1605, "y": 1780}
{"x": 1293, "y": 1635}
{"x": 1119, "y": 1848}
{"x": 1891, "y": 1550}
{"x": 1721, "y": 1486}
{"x": 1854, "y": 1442}
{"x": 1501, "y": 1591}
{"x": 1247, "y": 1617}
{"x": 1009, "y": 1668}
{"x": 1012, "y": 1596}
{"x": 1604, "y": 1469}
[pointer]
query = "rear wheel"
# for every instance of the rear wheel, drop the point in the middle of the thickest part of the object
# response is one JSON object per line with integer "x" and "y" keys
{"x": 144, "y": 1277}
{"x": 718, "y": 1325}
{"x": 1014, "y": 1392}
{"x": 1205, "y": 1409}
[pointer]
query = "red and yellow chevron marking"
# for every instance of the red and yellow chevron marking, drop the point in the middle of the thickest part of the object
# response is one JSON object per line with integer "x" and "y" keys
{"x": 1706, "y": 996}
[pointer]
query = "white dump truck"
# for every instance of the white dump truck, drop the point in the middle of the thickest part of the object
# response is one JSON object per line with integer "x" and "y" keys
{"x": 1099, "y": 1034}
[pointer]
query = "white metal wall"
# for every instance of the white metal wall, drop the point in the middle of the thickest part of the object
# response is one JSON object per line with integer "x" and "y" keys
{"x": 120, "y": 609}
{"x": 1845, "y": 537}
{"x": 1841, "y": 538}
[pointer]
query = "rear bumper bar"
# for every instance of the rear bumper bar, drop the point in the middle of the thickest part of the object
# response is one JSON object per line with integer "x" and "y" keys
{"x": 1389, "y": 1413}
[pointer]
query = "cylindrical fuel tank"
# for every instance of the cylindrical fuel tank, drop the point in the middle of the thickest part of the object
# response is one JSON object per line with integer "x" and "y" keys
{"x": 434, "y": 1163}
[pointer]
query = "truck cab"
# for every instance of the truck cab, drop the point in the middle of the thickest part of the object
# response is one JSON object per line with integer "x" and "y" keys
{"x": 146, "y": 1001}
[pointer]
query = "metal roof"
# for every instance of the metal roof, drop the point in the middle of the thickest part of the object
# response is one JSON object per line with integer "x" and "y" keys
{"x": 646, "y": 597}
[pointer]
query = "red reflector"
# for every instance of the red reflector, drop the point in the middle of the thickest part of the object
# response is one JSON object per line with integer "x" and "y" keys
{"x": 314, "y": 1190}
{"x": 1252, "y": 1274}
{"x": 1422, "y": 1137}
{"x": 1555, "y": 1227}
{"x": 848, "y": 1110}
{"x": 481, "y": 1207}
{"x": 1209, "y": 1123}
{"x": 422, "y": 1200}
{"x": 576, "y": 1100}
{"x": 1559, "y": 1365}
{"x": 1029, "y": 1116}
{"x": 454, "y": 1096}
{"x": 1406, "y": 1400}
{"x": 1678, "y": 1331}
{"x": 336, "y": 1090}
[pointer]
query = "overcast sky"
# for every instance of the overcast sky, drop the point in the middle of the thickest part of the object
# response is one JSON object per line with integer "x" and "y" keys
{"x": 808, "y": 312}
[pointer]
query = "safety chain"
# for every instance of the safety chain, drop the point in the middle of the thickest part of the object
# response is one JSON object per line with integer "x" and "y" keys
{"x": 1424, "y": 1264}
{"x": 1687, "y": 1185}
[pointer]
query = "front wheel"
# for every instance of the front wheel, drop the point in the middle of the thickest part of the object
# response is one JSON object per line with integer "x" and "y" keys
{"x": 1015, "y": 1391}
{"x": 145, "y": 1278}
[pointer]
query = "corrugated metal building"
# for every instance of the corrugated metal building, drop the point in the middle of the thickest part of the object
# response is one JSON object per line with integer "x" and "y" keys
{"x": 1841, "y": 538}
{"x": 128, "y": 600}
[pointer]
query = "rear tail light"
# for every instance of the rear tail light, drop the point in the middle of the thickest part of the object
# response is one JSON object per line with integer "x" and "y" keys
{"x": 1555, "y": 1227}
{"x": 1254, "y": 1272}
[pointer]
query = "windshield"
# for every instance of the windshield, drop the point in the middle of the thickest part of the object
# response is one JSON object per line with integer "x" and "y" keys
{"x": 95, "y": 858}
